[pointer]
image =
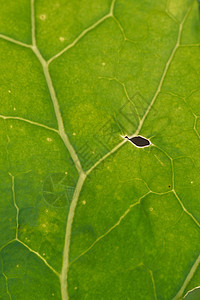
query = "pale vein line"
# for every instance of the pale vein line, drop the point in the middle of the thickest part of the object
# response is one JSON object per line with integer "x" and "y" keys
{"x": 195, "y": 288}
{"x": 179, "y": 295}
{"x": 61, "y": 129}
{"x": 120, "y": 28}
{"x": 171, "y": 161}
{"x": 195, "y": 126}
{"x": 8, "y": 243}
{"x": 33, "y": 23}
{"x": 112, "y": 7}
{"x": 171, "y": 16}
{"x": 7, "y": 38}
{"x": 173, "y": 174}
{"x": 33, "y": 251}
{"x": 185, "y": 210}
{"x": 153, "y": 283}
{"x": 7, "y": 290}
{"x": 153, "y": 99}
{"x": 28, "y": 121}
{"x": 6, "y": 279}
{"x": 66, "y": 140}
{"x": 65, "y": 263}
{"x": 164, "y": 73}
{"x": 125, "y": 91}
{"x": 42, "y": 258}
{"x": 15, "y": 204}
{"x": 110, "y": 229}
{"x": 17, "y": 226}
{"x": 83, "y": 33}
{"x": 82, "y": 176}
{"x": 105, "y": 156}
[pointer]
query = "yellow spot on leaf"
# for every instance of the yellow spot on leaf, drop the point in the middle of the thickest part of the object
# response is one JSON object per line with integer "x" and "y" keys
{"x": 61, "y": 38}
{"x": 43, "y": 17}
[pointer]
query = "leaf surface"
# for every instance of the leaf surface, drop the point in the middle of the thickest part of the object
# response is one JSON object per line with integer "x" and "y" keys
{"x": 84, "y": 214}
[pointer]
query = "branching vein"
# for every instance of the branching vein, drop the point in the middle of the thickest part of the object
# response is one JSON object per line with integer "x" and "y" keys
{"x": 61, "y": 131}
{"x": 6, "y": 279}
{"x": 111, "y": 228}
{"x": 42, "y": 258}
{"x": 185, "y": 210}
{"x": 7, "y": 38}
{"x": 154, "y": 97}
{"x": 83, "y": 33}
{"x": 28, "y": 121}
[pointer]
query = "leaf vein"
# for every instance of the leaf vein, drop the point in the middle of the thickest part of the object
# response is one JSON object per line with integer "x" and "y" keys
{"x": 191, "y": 273}
{"x": 28, "y": 121}
{"x": 9, "y": 39}
{"x": 154, "y": 97}
{"x": 42, "y": 258}
{"x": 110, "y": 229}
{"x": 84, "y": 32}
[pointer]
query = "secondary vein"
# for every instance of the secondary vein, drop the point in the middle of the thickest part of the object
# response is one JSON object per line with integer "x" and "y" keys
{"x": 153, "y": 99}
{"x": 7, "y": 38}
{"x": 28, "y": 121}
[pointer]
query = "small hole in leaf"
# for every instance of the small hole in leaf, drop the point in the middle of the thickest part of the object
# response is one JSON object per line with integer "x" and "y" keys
{"x": 169, "y": 186}
{"x": 139, "y": 141}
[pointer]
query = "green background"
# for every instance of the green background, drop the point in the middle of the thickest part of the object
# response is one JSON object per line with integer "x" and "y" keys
{"x": 84, "y": 214}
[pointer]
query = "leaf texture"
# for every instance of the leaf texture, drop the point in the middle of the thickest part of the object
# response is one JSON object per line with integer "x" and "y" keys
{"x": 84, "y": 214}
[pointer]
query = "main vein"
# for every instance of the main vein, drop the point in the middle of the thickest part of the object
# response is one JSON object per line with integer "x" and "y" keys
{"x": 65, "y": 264}
{"x": 64, "y": 137}
{"x": 44, "y": 64}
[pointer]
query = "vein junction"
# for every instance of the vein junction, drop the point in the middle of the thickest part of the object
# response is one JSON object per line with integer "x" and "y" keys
{"x": 63, "y": 135}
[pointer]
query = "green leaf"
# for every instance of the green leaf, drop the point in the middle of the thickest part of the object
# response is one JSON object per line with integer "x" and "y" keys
{"x": 84, "y": 214}
{"x": 193, "y": 295}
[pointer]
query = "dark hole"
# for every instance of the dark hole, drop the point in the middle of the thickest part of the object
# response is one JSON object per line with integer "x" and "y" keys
{"x": 138, "y": 141}
{"x": 169, "y": 186}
